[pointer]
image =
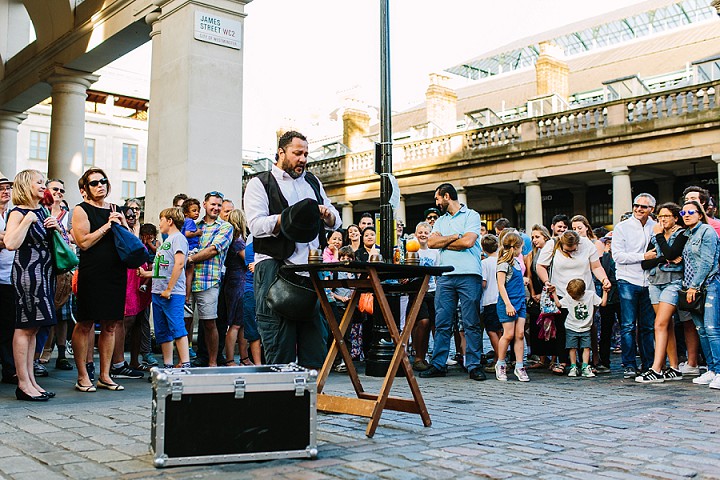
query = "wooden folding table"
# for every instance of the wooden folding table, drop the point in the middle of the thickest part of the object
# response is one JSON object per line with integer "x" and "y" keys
{"x": 373, "y": 278}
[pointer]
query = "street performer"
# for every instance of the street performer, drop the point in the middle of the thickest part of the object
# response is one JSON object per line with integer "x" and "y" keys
{"x": 287, "y": 208}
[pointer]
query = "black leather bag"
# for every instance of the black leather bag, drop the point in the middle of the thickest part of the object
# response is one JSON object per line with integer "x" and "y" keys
{"x": 292, "y": 297}
{"x": 697, "y": 306}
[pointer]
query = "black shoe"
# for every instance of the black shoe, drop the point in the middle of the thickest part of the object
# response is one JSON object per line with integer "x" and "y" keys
{"x": 432, "y": 372}
{"x": 63, "y": 364}
{"x": 199, "y": 362}
{"x": 125, "y": 372}
{"x": 12, "y": 380}
{"x": 20, "y": 395}
{"x": 477, "y": 374}
{"x": 48, "y": 394}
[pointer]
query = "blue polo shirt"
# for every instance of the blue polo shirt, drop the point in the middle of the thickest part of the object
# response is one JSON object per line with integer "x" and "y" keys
{"x": 466, "y": 261}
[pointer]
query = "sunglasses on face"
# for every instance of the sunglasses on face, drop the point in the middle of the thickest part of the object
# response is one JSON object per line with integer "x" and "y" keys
{"x": 431, "y": 217}
{"x": 688, "y": 212}
{"x": 57, "y": 189}
{"x": 644, "y": 207}
{"x": 95, "y": 183}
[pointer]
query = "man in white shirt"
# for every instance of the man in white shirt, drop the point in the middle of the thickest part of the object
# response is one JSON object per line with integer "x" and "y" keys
{"x": 629, "y": 248}
{"x": 266, "y": 197}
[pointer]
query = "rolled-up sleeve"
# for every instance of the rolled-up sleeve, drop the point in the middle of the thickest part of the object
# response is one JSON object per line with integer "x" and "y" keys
{"x": 257, "y": 210}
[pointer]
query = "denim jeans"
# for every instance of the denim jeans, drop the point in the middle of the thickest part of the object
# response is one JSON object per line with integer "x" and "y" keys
{"x": 636, "y": 310}
{"x": 708, "y": 326}
{"x": 450, "y": 289}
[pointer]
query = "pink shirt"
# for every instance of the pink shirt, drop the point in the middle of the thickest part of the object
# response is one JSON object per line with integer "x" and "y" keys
{"x": 715, "y": 224}
{"x": 328, "y": 256}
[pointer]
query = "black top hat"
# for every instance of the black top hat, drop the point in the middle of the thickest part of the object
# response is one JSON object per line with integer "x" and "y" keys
{"x": 432, "y": 210}
{"x": 301, "y": 222}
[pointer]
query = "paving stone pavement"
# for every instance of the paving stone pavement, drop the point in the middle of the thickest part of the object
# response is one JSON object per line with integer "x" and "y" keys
{"x": 550, "y": 428}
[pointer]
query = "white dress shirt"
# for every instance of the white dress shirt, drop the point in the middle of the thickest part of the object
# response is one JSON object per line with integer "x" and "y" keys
{"x": 262, "y": 224}
{"x": 629, "y": 243}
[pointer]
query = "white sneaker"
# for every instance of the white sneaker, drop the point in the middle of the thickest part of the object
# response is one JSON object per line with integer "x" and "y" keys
{"x": 522, "y": 375}
{"x": 704, "y": 379}
{"x": 688, "y": 370}
{"x": 501, "y": 372}
{"x": 716, "y": 382}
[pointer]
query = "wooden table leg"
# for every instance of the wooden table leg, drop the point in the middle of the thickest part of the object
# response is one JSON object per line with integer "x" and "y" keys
{"x": 338, "y": 344}
{"x": 400, "y": 355}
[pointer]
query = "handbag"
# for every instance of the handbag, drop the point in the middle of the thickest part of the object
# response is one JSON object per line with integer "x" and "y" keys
{"x": 63, "y": 289}
{"x": 292, "y": 296}
{"x": 365, "y": 304}
{"x": 64, "y": 258}
{"x": 130, "y": 249}
{"x": 697, "y": 306}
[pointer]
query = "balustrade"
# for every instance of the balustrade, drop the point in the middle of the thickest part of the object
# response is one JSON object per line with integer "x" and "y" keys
{"x": 673, "y": 103}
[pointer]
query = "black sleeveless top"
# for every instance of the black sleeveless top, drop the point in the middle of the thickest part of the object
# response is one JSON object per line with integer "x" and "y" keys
{"x": 102, "y": 277}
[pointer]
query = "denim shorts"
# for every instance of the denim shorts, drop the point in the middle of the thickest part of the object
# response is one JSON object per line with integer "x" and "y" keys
{"x": 168, "y": 317}
{"x": 577, "y": 339}
{"x": 666, "y": 293}
{"x": 489, "y": 317}
{"x": 502, "y": 312}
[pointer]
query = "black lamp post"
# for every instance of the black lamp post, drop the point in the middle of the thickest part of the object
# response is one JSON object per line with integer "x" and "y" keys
{"x": 381, "y": 351}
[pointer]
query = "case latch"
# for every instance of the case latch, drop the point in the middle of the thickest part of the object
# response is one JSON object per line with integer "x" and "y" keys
{"x": 239, "y": 388}
{"x": 300, "y": 384}
{"x": 176, "y": 389}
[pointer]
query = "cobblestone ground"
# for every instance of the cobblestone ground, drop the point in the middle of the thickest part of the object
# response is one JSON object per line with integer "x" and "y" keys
{"x": 550, "y": 428}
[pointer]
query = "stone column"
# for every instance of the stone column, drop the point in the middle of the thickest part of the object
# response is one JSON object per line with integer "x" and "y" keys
{"x": 9, "y": 123}
{"x": 196, "y": 101}
{"x": 622, "y": 192}
{"x": 533, "y": 204}
{"x": 67, "y": 128}
{"x": 462, "y": 196}
{"x": 347, "y": 214}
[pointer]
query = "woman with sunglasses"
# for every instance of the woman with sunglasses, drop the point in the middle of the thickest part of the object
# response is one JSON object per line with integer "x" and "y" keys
{"x": 63, "y": 302}
{"x": 700, "y": 255}
{"x": 565, "y": 258}
{"x": 665, "y": 274}
{"x": 102, "y": 278}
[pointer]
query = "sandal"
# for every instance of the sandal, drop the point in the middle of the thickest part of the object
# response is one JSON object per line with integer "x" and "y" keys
{"x": 85, "y": 388}
{"x": 246, "y": 362}
{"x": 558, "y": 369}
{"x": 231, "y": 363}
{"x": 109, "y": 386}
{"x": 538, "y": 365}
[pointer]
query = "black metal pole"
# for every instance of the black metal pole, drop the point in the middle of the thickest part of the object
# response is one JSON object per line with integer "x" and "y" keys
{"x": 382, "y": 349}
{"x": 387, "y": 233}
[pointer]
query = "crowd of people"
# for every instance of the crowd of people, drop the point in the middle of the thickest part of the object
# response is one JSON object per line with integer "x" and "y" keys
{"x": 552, "y": 298}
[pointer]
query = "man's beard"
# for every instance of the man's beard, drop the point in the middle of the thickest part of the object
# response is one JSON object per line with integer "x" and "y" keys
{"x": 291, "y": 171}
{"x": 443, "y": 208}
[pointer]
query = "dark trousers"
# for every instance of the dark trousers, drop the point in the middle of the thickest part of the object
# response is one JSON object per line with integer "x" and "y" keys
{"x": 609, "y": 314}
{"x": 7, "y": 329}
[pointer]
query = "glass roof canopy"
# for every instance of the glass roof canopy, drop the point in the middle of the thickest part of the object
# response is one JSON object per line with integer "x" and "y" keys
{"x": 603, "y": 35}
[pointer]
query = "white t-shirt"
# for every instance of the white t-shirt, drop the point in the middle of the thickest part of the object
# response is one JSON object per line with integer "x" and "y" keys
{"x": 489, "y": 271}
{"x": 565, "y": 268}
{"x": 429, "y": 257}
{"x": 580, "y": 312}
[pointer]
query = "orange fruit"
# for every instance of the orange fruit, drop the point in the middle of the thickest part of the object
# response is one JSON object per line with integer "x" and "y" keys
{"x": 412, "y": 245}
